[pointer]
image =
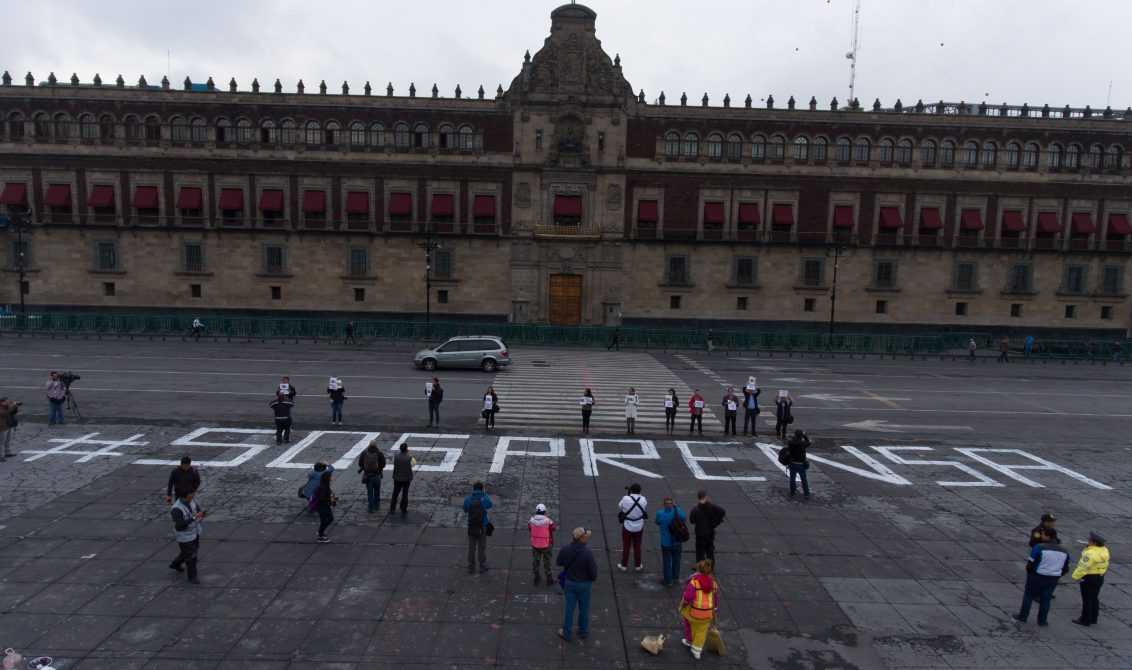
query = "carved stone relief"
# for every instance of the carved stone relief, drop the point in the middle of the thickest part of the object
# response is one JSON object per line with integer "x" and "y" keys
{"x": 613, "y": 196}
{"x": 523, "y": 195}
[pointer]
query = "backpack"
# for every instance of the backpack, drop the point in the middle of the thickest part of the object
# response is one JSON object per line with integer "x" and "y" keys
{"x": 475, "y": 517}
{"x": 784, "y": 456}
{"x": 678, "y": 529}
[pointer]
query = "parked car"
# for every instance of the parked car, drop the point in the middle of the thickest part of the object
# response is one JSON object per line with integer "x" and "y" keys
{"x": 466, "y": 351}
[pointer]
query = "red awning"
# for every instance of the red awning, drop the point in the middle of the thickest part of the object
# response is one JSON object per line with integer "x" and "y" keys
{"x": 647, "y": 211}
{"x": 930, "y": 219}
{"x": 970, "y": 219}
{"x": 1082, "y": 223}
{"x": 484, "y": 205}
{"x": 145, "y": 197}
{"x": 1118, "y": 225}
{"x": 357, "y": 202}
{"x": 58, "y": 195}
{"x": 314, "y": 201}
{"x": 101, "y": 195}
{"x": 783, "y": 215}
{"x": 14, "y": 194}
{"x": 271, "y": 200}
{"x": 713, "y": 212}
{"x": 190, "y": 197}
{"x": 749, "y": 213}
{"x": 567, "y": 205}
{"x": 842, "y": 216}
{"x": 890, "y": 218}
{"x": 400, "y": 203}
{"x": 1012, "y": 222}
{"x": 1047, "y": 223}
{"x": 231, "y": 198}
{"x": 442, "y": 204}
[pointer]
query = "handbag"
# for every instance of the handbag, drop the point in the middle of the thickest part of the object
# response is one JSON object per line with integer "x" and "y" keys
{"x": 622, "y": 516}
{"x": 789, "y": 418}
{"x": 489, "y": 529}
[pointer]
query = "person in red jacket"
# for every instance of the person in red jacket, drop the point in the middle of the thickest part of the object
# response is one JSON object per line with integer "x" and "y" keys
{"x": 542, "y": 542}
{"x": 696, "y": 407}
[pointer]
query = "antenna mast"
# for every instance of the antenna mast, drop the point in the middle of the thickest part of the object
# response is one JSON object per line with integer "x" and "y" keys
{"x": 853, "y": 47}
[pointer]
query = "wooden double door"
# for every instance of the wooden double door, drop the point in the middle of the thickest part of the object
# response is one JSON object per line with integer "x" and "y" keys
{"x": 566, "y": 299}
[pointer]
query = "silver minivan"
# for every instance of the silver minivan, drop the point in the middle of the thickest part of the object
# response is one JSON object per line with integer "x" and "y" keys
{"x": 466, "y": 351}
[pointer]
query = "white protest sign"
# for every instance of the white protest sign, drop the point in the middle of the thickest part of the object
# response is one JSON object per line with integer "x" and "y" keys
{"x": 751, "y": 383}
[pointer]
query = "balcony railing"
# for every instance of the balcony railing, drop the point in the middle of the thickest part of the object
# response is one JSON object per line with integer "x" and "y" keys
{"x": 544, "y": 230}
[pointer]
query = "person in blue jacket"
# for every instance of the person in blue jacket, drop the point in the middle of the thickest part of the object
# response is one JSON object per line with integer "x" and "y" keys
{"x": 669, "y": 546}
{"x": 313, "y": 479}
{"x": 479, "y": 527}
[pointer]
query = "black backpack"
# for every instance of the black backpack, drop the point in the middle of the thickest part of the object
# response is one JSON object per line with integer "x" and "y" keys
{"x": 784, "y": 456}
{"x": 475, "y": 517}
{"x": 678, "y": 529}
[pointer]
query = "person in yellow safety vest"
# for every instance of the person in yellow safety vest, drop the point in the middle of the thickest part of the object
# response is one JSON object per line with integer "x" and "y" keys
{"x": 698, "y": 606}
{"x": 1090, "y": 572}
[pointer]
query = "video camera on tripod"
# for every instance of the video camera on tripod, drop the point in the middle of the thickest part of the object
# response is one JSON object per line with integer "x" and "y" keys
{"x": 68, "y": 377}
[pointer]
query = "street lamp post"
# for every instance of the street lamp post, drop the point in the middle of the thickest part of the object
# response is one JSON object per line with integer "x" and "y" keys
{"x": 838, "y": 248}
{"x": 18, "y": 221}
{"x": 429, "y": 245}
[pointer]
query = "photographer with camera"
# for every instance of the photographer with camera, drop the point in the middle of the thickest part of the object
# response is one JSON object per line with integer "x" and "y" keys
{"x": 56, "y": 393}
{"x": 186, "y": 515}
{"x": 8, "y": 409}
{"x": 631, "y": 513}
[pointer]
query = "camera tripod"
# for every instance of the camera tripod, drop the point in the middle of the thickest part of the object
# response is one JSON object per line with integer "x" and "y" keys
{"x": 72, "y": 404}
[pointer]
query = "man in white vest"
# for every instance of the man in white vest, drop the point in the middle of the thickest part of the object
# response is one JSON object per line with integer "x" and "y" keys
{"x": 186, "y": 527}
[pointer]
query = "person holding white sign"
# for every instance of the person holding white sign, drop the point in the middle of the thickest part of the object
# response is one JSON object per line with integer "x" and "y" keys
{"x": 750, "y": 407}
{"x": 730, "y": 408}
{"x": 671, "y": 402}
{"x": 631, "y": 402}
{"x": 490, "y": 407}
{"x": 782, "y": 413}
{"x": 587, "y": 402}
{"x": 435, "y": 397}
{"x": 696, "y": 407}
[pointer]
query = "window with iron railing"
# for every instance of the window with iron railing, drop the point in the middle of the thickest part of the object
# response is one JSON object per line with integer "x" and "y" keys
{"x": 676, "y": 270}
{"x": 192, "y": 257}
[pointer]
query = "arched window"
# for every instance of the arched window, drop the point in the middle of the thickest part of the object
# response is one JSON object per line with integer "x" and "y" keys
{"x": 421, "y": 136}
{"x": 199, "y": 129}
{"x": 842, "y": 150}
{"x": 1073, "y": 157}
{"x": 62, "y": 126}
{"x": 820, "y": 151}
{"x": 904, "y": 151}
{"x": 691, "y": 144}
{"x": 357, "y": 133}
{"x": 377, "y": 135}
{"x": 401, "y": 135}
{"x": 947, "y": 153}
{"x": 1053, "y": 156}
{"x": 245, "y": 134}
{"x": 15, "y": 125}
{"x": 288, "y": 132}
{"x": 106, "y": 127}
{"x": 734, "y": 147}
{"x": 42, "y": 125}
{"x": 333, "y": 133}
{"x": 223, "y": 131}
{"x": 152, "y": 128}
{"x": 672, "y": 144}
{"x": 777, "y": 147}
{"x": 885, "y": 151}
{"x": 801, "y": 148}
{"x": 758, "y": 147}
{"x": 88, "y": 128}
{"x": 1112, "y": 158}
{"x": 446, "y": 135}
{"x": 1013, "y": 154}
{"x": 1030, "y": 155}
{"x": 133, "y": 128}
{"x": 715, "y": 145}
{"x": 928, "y": 152}
{"x": 861, "y": 150}
{"x": 971, "y": 153}
{"x": 1096, "y": 156}
{"x": 312, "y": 134}
{"x": 268, "y": 133}
{"x": 990, "y": 154}
{"x": 467, "y": 137}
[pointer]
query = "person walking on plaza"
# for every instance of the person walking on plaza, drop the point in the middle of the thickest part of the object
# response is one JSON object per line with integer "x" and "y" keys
{"x": 314, "y": 476}
{"x": 670, "y": 544}
{"x": 751, "y": 410}
{"x": 187, "y": 515}
{"x": 1090, "y": 572}
{"x": 337, "y": 392}
{"x": 1047, "y": 563}
{"x": 8, "y": 423}
{"x": 972, "y": 347}
{"x": 197, "y": 329}
{"x": 1004, "y": 350}
{"x": 542, "y": 530}
{"x": 587, "y": 403}
{"x": 632, "y": 514}
{"x": 696, "y": 407}
{"x": 402, "y": 476}
{"x": 350, "y": 333}
{"x": 1047, "y": 521}
{"x": 281, "y": 406}
{"x": 371, "y": 465}
{"x": 578, "y": 562}
{"x": 1088, "y": 350}
{"x": 476, "y": 506}
{"x": 671, "y": 402}
{"x": 326, "y": 501}
{"x": 435, "y": 396}
{"x": 783, "y": 414}
{"x": 730, "y": 409}
{"x": 490, "y": 407}
{"x": 614, "y": 340}
{"x": 798, "y": 462}
{"x": 1028, "y": 346}
{"x": 631, "y": 402}
{"x": 56, "y": 393}
{"x": 710, "y": 341}
{"x": 1117, "y": 351}
{"x": 182, "y": 479}
{"x": 705, "y": 517}
{"x": 288, "y": 389}
{"x": 698, "y": 606}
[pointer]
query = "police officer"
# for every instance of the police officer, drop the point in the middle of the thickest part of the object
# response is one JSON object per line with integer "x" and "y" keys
{"x": 186, "y": 528}
{"x": 1048, "y": 562}
{"x": 1036, "y": 532}
{"x": 1090, "y": 572}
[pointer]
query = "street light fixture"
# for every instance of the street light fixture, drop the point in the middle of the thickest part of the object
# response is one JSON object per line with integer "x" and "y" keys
{"x": 429, "y": 245}
{"x": 19, "y": 221}
{"x": 837, "y": 251}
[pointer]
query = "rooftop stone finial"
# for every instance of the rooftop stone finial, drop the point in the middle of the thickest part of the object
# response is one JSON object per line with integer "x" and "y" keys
{"x": 278, "y": 86}
{"x": 480, "y": 92}
{"x": 51, "y": 79}
{"x": 1025, "y": 109}
{"x": 210, "y": 85}
{"x": 499, "y": 91}
{"x": 435, "y": 91}
{"x": 856, "y": 105}
{"x": 704, "y": 101}
{"x": 661, "y": 98}
{"x": 920, "y": 106}
{"x": 617, "y": 60}
{"x": 876, "y": 105}
{"x": 74, "y": 79}
{"x": 164, "y": 82}
{"x": 119, "y": 82}
{"x": 188, "y": 83}
{"x": 412, "y": 90}
{"x": 1107, "y": 112}
{"x": 770, "y": 102}
{"x": 684, "y": 99}
{"x": 367, "y": 89}
{"x": 142, "y": 83}
{"x": 29, "y": 80}
{"x": 459, "y": 92}
{"x": 813, "y": 103}
{"x": 97, "y": 79}
{"x": 322, "y": 87}
{"x": 1045, "y": 110}
{"x": 833, "y": 104}
{"x": 301, "y": 88}
{"x": 255, "y": 85}
{"x": 1067, "y": 112}
{"x": 345, "y": 88}
{"x": 641, "y": 96}
{"x": 527, "y": 56}
{"x": 1088, "y": 111}
{"x": 726, "y": 99}
{"x": 748, "y": 102}
{"x": 899, "y": 106}
{"x": 389, "y": 89}
{"x": 7, "y": 78}
{"x": 790, "y": 103}
{"x": 983, "y": 108}
{"x": 232, "y": 85}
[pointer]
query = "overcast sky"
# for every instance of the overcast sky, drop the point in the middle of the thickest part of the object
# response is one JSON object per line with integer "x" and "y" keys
{"x": 1037, "y": 51}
